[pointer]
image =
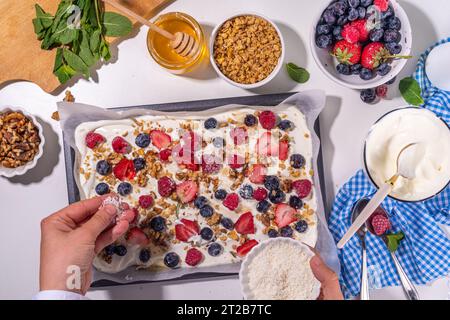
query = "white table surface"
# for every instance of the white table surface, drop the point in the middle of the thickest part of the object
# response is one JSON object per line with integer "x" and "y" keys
{"x": 134, "y": 79}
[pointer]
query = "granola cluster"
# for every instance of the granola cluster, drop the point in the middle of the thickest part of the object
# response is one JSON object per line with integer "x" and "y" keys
{"x": 247, "y": 49}
{"x": 19, "y": 139}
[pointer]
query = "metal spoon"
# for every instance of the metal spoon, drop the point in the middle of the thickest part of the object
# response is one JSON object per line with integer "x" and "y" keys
{"x": 357, "y": 209}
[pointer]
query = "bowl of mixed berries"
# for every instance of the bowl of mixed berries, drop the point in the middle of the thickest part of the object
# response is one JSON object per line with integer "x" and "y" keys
{"x": 362, "y": 44}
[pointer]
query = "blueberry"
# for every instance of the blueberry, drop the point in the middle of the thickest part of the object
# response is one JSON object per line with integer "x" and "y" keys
{"x": 207, "y": 211}
{"x": 124, "y": 188}
{"x": 250, "y": 120}
{"x": 103, "y": 168}
{"x": 142, "y": 140}
{"x": 362, "y": 12}
{"x": 215, "y": 249}
{"x": 206, "y": 234}
{"x": 295, "y": 202}
{"x": 263, "y": 206}
{"x": 343, "y": 69}
{"x": 144, "y": 255}
{"x": 376, "y": 35}
{"x": 285, "y": 125}
{"x": 272, "y": 233}
{"x": 220, "y": 194}
{"x": 102, "y": 188}
{"x": 394, "y": 48}
{"x": 392, "y": 35}
{"x": 342, "y": 21}
{"x": 109, "y": 250}
{"x": 339, "y": 8}
{"x": 171, "y": 260}
{"x": 297, "y": 161}
{"x": 227, "y": 223}
{"x": 366, "y": 3}
{"x": 120, "y": 250}
{"x": 323, "y": 29}
{"x": 353, "y": 14}
{"x": 354, "y": 3}
{"x": 158, "y": 223}
{"x": 324, "y": 41}
{"x": 356, "y": 68}
{"x": 218, "y": 142}
{"x": 301, "y": 226}
{"x": 246, "y": 192}
{"x": 139, "y": 164}
{"x": 271, "y": 182}
{"x": 329, "y": 17}
{"x": 286, "y": 232}
{"x": 388, "y": 13}
{"x": 337, "y": 33}
{"x": 394, "y": 23}
{"x": 391, "y": 81}
{"x": 384, "y": 69}
{"x": 366, "y": 74}
{"x": 277, "y": 196}
{"x": 368, "y": 95}
{"x": 210, "y": 123}
{"x": 200, "y": 202}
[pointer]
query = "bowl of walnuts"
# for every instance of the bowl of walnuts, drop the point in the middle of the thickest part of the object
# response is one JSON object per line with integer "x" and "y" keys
{"x": 21, "y": 142}
{"x": 247, "y": 50}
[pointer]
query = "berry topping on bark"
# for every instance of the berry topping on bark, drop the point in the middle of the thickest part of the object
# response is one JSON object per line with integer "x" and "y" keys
{"x": 186, "y": 229}
{"x": 166, "y": 186}
{"x": 246, "y": 247}
{"x": 245, "y": 224}
{"x": 284, "y": 215}
{"x": 302, "y": 187}
{"x": 231, "y": 201}
{"x": 124, "y": 170}
{"x": 268, "y": 120}
{"x": 146, "y": 201}
{"x": 258, "y": 173}
{"x": 120, "y": 145}
{"x": 193, "y": 257}
{"x": 260, "y": 194}
{"x": 94, "y": 139}
{"x": 160, "y": 139}
{"x": 187, "y": 191}
{"x": 137, "y": 237}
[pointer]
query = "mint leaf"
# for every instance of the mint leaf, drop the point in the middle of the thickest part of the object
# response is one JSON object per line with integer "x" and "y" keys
{"x": 116, "y": 25}
{"x": 297, "y": 73}
{"x": 75, "y": 62}
{"x": 393, "y": 240}
{"x": 411, "y": 92}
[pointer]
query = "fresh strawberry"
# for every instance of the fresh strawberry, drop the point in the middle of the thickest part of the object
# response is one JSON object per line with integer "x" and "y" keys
{"x": 211, "y": 164}
{"x": 193, "y": 257}
{"x": 231, "y": 201}
{"x": 124, "y": 170}
{"x": 382, "y": 91}
{"x": 361, "y": 26}
{"x": 94, "y": 139}
{"x": 166, "y": 186}
{"x": 382, "y": 5}
{"x": 239, "y": 135}
{"x": 260, "y": 194}
{"x": 284, "y": 215}
{"x": 246, "y": 247}
{"x": 258, "y": 173}
{"x": 164, "y": 155}
{"x": 160, "y": 139}
{"x": 283, "y": 150}
{"x": 302, "y": 188}
{"x": 350, "y": 33}
{"x": 268, "y": 120}
{"x": 245, "y": 224}
{"x": 267, "y": 145}
{"x": 186, "y": 229}
{"x": 380, "y": 224}
{"x": 347, "y": 53}
{"x": 137, "y": 237}
{"x": 236, "y": 161}
{"x": 187, "y": 191}
{"x": 146, "y": 201}
{"x": 120, "y": 145}
{"x": 375, "y": 54}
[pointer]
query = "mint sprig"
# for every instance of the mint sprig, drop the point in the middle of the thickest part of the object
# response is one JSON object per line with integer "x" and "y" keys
{"x": 298, "y": 74}
{"x": 393, "y": 240}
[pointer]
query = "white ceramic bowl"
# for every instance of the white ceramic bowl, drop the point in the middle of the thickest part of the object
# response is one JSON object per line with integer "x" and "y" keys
{"x": 11, "y": 172}
{"x": 327, "y": 63}
{"x": 243, "y": 273}
{"x": 270, "y": 76}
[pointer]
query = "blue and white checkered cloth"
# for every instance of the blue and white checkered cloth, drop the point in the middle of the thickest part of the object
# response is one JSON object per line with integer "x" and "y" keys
{"x": 425, "y": 251}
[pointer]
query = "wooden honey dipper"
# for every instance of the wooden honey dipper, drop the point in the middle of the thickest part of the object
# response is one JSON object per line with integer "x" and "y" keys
{"x": 182, "y": 43}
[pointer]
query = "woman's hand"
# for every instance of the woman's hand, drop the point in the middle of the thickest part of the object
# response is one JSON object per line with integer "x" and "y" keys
{"x": 70, "y": 239}
{"x": 330, "y": 281}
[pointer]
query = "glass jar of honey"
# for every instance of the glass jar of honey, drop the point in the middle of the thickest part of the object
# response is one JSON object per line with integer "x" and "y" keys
{"x": 161, "y": 51}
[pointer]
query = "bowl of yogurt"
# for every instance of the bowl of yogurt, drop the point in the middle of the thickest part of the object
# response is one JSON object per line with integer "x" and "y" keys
{"x": 398, "y": 129}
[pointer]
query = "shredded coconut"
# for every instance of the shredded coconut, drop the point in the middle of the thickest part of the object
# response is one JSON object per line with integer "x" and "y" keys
{"x": 282, "y": 272}
{"x": 117, "y": 203}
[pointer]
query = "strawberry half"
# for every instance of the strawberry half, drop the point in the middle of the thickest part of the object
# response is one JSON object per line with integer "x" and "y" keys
{"x": 259, "y": 172}
{"x": 245, "y": 248}
{"x": 160, "y": 139}
{"x": 346, "y": 52}
{"x": 120, "y": 145}
{"x": 187, "y": 191}
{"x": 380, "y": 224}
{"x": 283, "y": 150}
{"x": 245, "y": 224}
{"x": 231, "y": 201}
{"x": 302, "y": 188}
{"x": 186, "y": 230}
{"x": 124, "y": 170}
{"x": 284, "y": 215}
{"x": 239, "y": 135}
{"x": 93, "y": 139}
{"x": 193, "y": 257}
{"x": 137, "y": 237}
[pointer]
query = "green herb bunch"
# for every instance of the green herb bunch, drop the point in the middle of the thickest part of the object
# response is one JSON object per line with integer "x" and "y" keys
{"x": 78, "y": 32}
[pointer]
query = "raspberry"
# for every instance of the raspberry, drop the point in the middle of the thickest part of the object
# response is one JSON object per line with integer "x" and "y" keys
{"x": 302, "y": 188}
{"x": 94, "y": 139}
{"x": 380, "y": 224}
{"x": 166, "y": 186}
{"x": 268, "y": 120}
{"x": 382, "y": 91}
{"x": 120, "y": 145}
{"x": 383, "y": 5}
{"x": 260, "y": 194}
{"x": 165, "y": 154}
{"x": 146, "y": 201}
{"x": 231, "y": 201}
{"x": 193, "y": 257}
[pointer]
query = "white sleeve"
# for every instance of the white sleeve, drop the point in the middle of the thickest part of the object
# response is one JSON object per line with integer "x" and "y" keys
{"x": 58, "y": 295}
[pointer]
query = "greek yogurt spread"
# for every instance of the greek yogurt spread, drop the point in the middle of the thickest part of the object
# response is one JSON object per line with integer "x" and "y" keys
{"x": 399, "y": 129}
{"x": 191, "y": 211}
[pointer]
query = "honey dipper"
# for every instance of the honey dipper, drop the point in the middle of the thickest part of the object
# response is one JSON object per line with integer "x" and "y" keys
{"x": 182, "y": 43}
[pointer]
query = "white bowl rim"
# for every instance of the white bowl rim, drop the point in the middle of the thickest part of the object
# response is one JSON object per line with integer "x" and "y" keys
{"x": 275, "y": 70}
{"x": 367, "y": 85}
{"x": 12, "y": 172}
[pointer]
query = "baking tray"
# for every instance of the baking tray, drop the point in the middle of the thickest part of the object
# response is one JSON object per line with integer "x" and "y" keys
{"x": 256, "y": 100}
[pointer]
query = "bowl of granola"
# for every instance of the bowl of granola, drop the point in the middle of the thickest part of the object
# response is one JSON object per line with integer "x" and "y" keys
{"x": 247, "y": 50}
{"x": 21, "y": 142}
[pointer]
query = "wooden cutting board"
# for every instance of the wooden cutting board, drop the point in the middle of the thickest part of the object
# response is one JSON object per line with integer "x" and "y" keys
{"x": 21, "y": 57}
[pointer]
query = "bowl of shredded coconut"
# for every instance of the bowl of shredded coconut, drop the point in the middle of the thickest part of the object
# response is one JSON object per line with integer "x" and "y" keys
{"x": 279, "y": 269}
